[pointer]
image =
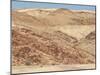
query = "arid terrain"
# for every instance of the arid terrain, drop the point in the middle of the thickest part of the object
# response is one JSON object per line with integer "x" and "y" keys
{"x": 52, "y": 40}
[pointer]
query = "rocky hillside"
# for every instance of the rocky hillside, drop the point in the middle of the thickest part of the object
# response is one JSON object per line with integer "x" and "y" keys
{"x": 45, "y": 37}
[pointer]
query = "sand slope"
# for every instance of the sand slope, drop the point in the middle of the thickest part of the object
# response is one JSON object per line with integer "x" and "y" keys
{"x": 53, "y": 37}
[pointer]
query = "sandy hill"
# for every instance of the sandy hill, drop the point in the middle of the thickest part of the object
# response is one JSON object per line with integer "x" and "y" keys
{"x": 57, "y": 16}
{"x": 48, "y": 36}
{"x": 88, "y": 43}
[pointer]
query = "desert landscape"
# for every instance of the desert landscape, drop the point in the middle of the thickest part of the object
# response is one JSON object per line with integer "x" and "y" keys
{"x": 53, "y": 39}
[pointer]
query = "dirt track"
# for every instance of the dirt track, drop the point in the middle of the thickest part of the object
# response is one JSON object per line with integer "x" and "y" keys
{"x": 50, "y": 68}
